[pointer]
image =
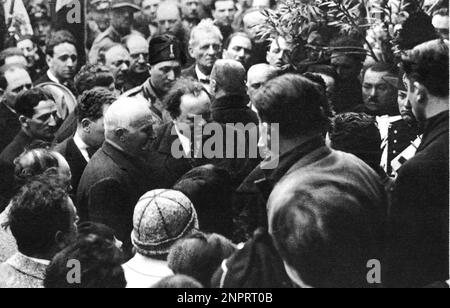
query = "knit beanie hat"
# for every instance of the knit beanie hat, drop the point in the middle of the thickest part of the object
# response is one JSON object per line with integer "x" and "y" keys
{"x": 161, "y": 217}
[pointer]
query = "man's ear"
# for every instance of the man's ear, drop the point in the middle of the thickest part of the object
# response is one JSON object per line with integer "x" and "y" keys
{"x": 420, "y": 92}
{"x": 191, "y": 51}
{"x": 23, "y": 120}
{"x": 48, "y": 59}
{"x": 120, "y": 132}
{"x": 61, "y": 240}
{"x": 86, "y": 124}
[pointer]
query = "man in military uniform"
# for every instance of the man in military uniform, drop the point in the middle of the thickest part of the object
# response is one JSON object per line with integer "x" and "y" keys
{"x": 165, "y": 58}
{"x": 97, "y": 19}
{"x": 121, "y": 19}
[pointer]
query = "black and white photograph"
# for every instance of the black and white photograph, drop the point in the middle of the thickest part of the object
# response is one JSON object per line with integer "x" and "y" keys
{"x": 235, "y": 146}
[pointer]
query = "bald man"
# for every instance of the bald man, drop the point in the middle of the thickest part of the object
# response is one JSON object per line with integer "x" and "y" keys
{"x": 228, "y": 89}
{"x": 138, "y": 73}
{"x": 257, "y": 76}
{"x": 116, "y": 177}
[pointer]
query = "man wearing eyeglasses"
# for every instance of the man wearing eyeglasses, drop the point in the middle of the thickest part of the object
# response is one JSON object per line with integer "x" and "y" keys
{"x": 37, "y": 114}
{"x": 118, "y": 60}
{"x": 62, "y": 60}
{"x": 13, "y": 80}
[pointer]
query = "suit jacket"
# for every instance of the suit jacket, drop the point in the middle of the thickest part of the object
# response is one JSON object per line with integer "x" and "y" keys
{"x": 189, "y": 72}
{"x": 419, "y": 251}
{"x": 9, "y": 126}
{"x": 254, "y": 192}
{"x": 42, "y": 79}
{"x": 233, "y": 109}
{"x": 67, "y": 129}
{"x": 20, "y": 271}
{"x": 7, "y": 157}
{"x": 109, "y": 189}
{"x": 168, "y": 169}
{"x": 76, "y": 160}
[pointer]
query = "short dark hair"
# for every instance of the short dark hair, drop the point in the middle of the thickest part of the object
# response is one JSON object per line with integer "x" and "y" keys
{"x": 91, "y": 102}
{"x": 295, "y": 103}
{"x": 182, "y": 87}
{"x": 323, "y": 69}
{"x": 358, "y": 134}
{"x": 428, "y": 64}
{"x": 38, "y": 212}
{"x": 100, "y": 260}
{"x": 199, "y": 255}
{"x": 178, "y": 282}
{"x": 380, "y": 67}
{"x": 9, "y": 52}
{"x": 349, "y": 46}
{"x": 327, "y": 244}
{"x": 89, "y": 227}
{"x": 232, "y": 36}
{"x": 210, "y": 190}
{"x": 93, "y": 75}
{"x": 27, "y": 100}
{"x": 58, "y": 38}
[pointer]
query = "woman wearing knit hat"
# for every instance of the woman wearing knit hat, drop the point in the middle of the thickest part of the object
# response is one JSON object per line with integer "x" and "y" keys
{"x": 161, "y": 217}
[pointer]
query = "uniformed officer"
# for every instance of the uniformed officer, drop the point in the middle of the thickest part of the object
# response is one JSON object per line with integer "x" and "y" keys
{"x": 165, "y": 58}
{"x": 121, "y": 20}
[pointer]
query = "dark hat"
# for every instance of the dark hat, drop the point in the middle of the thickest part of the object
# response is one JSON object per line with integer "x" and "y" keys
{"x": 39, "y": 12}
{"x": 118, "y": 4}
{"x": 164, "y": 48}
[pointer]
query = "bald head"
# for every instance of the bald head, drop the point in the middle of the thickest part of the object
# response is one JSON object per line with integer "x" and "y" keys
{"x": 128, "y": 125}
{"x": 258, "y": 75}
{"x": 126, "y": 113}
{"x": 251, "y": 20}
{"x": 228, "y": 77}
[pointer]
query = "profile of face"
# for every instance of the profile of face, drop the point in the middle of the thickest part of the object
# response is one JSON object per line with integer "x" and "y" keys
{"x": 149, "y": 8}
{"x": 194, "y": 110}
{"x": 41, "y": 29}
{"x": 138, "y": 136}
{"x": 18, "y": 80}
{"x": 118, "y": 60}
{"x": 224, "y": 12}
{"x": 251, "y": 22}
{"x": 330, "y": 82}
{"x": 206, "y": 50}
{"x": 346, "y": 67}
{"x": 94, "y": 130}
{"x": 405, "y": 107}
{"x": 256, "y": 78}
{"x": 122, "y": 20}
{"x": 415, "y": 99}
{"x": 63, "y": 64}
{"x": 101, "y": 18}
{"x": 43, "y": 124}
{"x": 138, "y": 47}
{"x": 164, "y": 74}
{"x": 190, "y": 9}
{"x": 67, "y": 237}
{"x": 239, "y": 49}
{"x": 29, "y": 51}
{"x": 379, "y": 97}
{"x": 168, "y": 19}
{"x": 279, "y": 53}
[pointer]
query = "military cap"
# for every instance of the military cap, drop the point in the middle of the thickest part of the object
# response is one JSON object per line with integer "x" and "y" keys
{"x": 164, "y": 48}
{"x": 118, "y": 4}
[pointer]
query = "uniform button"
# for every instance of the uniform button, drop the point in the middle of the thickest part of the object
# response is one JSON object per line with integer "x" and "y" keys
{"x": 395, "y": 152}
{"x": 395, "y": 141}
{"x": 395, "y": 131}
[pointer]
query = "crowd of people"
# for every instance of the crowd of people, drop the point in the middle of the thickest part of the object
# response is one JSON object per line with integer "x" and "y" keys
{"x": 184, "y": 145}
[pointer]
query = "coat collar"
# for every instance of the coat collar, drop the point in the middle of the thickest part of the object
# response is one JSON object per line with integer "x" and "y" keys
{"x": 434, "y": 128}
{"x": 124, "y": 160}
{"x": 27, "y": 266}
{"x": 267, "y": 178}
{"x": 230, "y": 101}
{"x": 165, "y": 138}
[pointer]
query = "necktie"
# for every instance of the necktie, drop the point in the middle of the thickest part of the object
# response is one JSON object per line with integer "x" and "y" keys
{"x": 91, "y": 151}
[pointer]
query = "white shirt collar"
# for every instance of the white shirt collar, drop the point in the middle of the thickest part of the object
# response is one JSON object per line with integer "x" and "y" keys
{"x": 200, "y": 75}
{"x": 52, "y": 77}
{"x": 40, "y": 261}
{"x": 82, "y": 146}
{"x": 185, "y": 142}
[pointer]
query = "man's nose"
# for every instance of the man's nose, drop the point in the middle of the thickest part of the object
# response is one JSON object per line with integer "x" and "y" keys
{"x": 52, "y": 121}
{"x": 123, "y": 67}
{"x": 141, "y": 59}
{"x": 171, "y": 75}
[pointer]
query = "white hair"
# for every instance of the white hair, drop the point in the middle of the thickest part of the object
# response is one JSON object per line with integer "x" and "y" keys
{"x": 125, "y": 113}
{"x": 205, "y": 26}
